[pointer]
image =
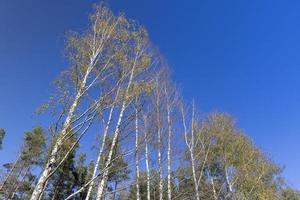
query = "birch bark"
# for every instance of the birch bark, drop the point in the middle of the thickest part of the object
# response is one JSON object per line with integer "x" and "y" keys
{"x": 147, "y": 158}
{"x": 103, "y": 181}
{"x": 102, "y": 146}
{"x": 137, "y": 170}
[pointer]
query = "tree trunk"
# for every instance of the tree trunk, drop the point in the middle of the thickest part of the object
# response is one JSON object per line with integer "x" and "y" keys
{"x": 38, "y": 190}
{"x": 190, "y": 145}
{"x": 193, "y": 159}
{"x": 194, "y": 175}
{"x": 147, "y": 161}
{"x": 137, "y": 171}
{"x": 169, "y": 152}
{"x": 159, "y": 143}
{"x": 113, "y": 144}
{"x": 102, "y": 147}
{"x": 102, "y": 183}
{"x": 159, "y": 139}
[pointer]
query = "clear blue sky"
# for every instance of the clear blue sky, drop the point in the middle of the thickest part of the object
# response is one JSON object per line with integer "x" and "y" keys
{"x": 242, "y": 57}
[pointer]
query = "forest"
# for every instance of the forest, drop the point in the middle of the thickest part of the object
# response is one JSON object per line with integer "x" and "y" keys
{"x": 145, "y": 141}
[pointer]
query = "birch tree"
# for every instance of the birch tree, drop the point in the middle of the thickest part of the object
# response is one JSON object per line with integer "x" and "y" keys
{"x": 136, "y": 61}
{"x": 172, "y": 97}
{"x": 157, "y": 98}
{"x": 227, "y": 164}
{"x": 146, "y": 138}
{"x": 191, "y": 143}
{"x": 137, "y": 170}
{"x": 91, "y": 55}
{"x": 236, "y": 163}
{"x": 104, "y": 137}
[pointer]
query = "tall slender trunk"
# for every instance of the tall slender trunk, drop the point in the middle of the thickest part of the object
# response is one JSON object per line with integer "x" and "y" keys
{"x": 169, "y": 153}
{"x": 38, "y": 190}
{"x": 194, "y": 175}
{"x": 230, "y": 185}
{"x": 103, "y": 181}
{"x": 137, "y": 170}
{"x": 102, "y": 146}
{"x": 147, "y": 159}
{"x": 113, "y": 144}
{"x": 96, "y": 51}
{"x": 160, "y": 168}
{"x": 159, "y": 144}
{"x": 190, "y": 145}
{"x": 227, "y": 180}
{"x": 193, "y": 157}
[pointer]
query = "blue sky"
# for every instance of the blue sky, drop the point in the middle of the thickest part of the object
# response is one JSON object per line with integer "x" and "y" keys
{"x": 237, "y": 56}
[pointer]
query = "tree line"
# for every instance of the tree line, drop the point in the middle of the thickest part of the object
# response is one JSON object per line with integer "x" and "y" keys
{"x": 151, "y": 144}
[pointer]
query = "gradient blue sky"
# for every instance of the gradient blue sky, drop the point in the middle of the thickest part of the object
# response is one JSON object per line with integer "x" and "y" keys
{"x": 238, "y": 56}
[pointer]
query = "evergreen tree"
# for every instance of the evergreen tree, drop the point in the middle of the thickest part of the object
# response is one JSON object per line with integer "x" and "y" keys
{"x": 81, "y": 174}
{"x": 63, "y": 181}
{"x": 19, "y": 179}
{"x": 118, "y": 170}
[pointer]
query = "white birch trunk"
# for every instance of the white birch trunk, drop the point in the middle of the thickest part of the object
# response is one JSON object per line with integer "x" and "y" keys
{"x": 114, "y": 141}
{"x": 137, "y": 170}
{"x": 159, "y": 142}
{"x": 160, "y": 168}
{"x": 147, "y": 161}
{"x": 194, "y": 175}
{"x": 190, "y": 145}
{"x": 169, "y": 153}
{"x": 83, "y": 87}
{"x": 193, "y": 158}
{"x": 227, "y": 180}
{"x": 103, "y": 181}
{"x": 38, "y": 190}
{"x": 102, "y": 147}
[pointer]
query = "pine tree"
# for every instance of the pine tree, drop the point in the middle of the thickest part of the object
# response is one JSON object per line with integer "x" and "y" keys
{"x": 64, "y": 180}
{"x": 81, "y": 174}
{"x": 118, "y": 170}
{"x": 19, "y": 179}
